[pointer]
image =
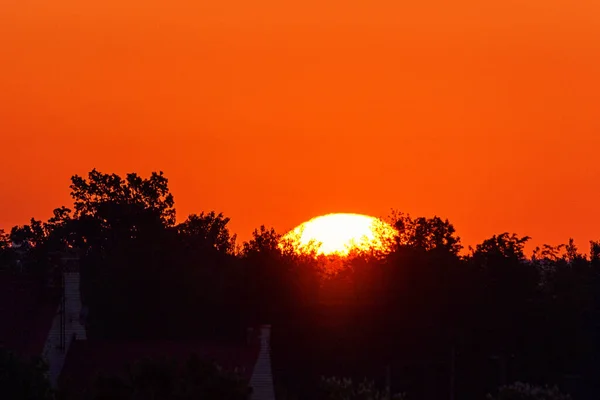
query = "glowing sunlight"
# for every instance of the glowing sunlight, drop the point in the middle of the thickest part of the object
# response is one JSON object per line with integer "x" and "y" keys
{"x": 340, "y": 234}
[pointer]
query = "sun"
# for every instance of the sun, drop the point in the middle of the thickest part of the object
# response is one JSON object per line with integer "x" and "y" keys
{"x": 341, "y": 233}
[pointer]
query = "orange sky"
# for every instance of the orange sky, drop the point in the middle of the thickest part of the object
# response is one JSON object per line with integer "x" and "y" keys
{"x": 485, "y": 112}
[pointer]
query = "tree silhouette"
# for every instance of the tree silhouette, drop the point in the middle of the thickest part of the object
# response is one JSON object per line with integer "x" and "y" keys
{"x": 426, "y": 233}
{"x": 524, "y": 391}
{"x": 4, "y": 240}
{"x": 100, "y": 195}
{"x": 110, "y": 209}
{"x": 264, "y": 241}
{"x": 505, "y": 316}
{"x": 162, "y": 379}
{"x": 124, "y": 226}
{"x": 23, "y": 380}
{"x": 505, "y": 247}
{"x": 594, "y": 251}
{"x": 207, "y": 231}
{"x": 30, "y": 235}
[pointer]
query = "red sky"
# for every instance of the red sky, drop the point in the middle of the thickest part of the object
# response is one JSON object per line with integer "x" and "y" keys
{"x": 485, "y": 112}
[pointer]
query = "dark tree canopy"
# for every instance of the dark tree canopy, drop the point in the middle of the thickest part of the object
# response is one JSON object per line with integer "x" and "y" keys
{"x": 595, "y": 251}
{"x": 507, "y": 314}
{"x": 4, "y": 239}
{"x": 23, "y": 379}
{"x": 426, "y": 233}
{"x": 208, "y": 231}
{"x": 503, "y": 246}
{"x": 163, "y": 379}
{"x": 263, "y": 241}
{"x": 29, "y": 235}
{"x": 120, "y": 203}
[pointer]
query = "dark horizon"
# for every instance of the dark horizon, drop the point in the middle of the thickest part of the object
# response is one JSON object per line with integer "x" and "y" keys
{"x": 422, "y": 310}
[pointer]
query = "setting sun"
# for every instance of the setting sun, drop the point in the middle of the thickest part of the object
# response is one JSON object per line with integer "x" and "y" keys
{"x": 341, "y": 233}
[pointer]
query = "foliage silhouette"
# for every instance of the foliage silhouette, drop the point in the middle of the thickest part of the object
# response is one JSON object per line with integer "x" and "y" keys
{"x": 524, "y": 391}
{"x": 426, "y": 233}
{"x": 344, "y": 389}
{"x": 163, "y": 379}
{"x": 505, "y": 315}
{"x": 207, "y": 230}
{"x": 23, "y": 380}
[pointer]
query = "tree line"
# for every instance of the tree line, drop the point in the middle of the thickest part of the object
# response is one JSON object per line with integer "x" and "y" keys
{"x": 146, "y": 276}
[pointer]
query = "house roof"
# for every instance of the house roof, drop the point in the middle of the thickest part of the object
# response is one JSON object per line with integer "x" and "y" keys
{"x": 86, "y": 359}
{"x": 26, "y": 314}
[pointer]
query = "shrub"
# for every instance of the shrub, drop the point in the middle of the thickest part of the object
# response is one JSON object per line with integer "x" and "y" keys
{"x": 525, "y": 391}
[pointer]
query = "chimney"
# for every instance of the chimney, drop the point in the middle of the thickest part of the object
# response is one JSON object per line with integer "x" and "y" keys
{"x": 73, "y": 307}
{"x": 262, "y": 375}
{"x": 66, "y": 325}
